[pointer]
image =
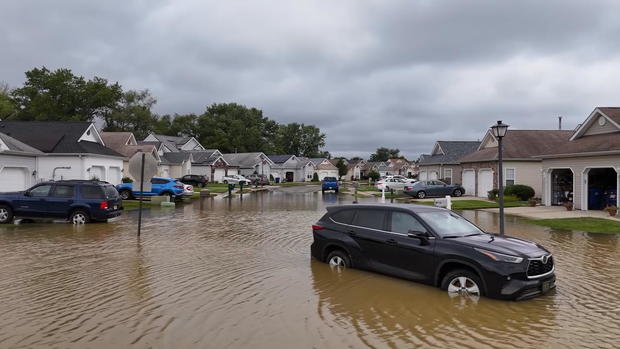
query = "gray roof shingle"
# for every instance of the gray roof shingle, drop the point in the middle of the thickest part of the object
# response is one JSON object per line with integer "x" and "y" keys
{"x": 453, "y": 152}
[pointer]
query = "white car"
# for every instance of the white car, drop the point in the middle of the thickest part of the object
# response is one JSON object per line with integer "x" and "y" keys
{"x": 235, "y": 179}
{"x": 408, "y": 180}
{"x": 391, "y": 183}
{"x": 188, "y": 190}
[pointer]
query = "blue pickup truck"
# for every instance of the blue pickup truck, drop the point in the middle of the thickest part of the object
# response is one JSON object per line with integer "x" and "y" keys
{"x": 329, "y": 183}
{"x": 160, "y": 186}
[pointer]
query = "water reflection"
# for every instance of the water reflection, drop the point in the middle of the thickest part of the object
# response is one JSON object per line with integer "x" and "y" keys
{"x": 237, "y": 273}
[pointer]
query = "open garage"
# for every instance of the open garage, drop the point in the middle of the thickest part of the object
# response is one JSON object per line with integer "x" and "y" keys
{"x": 601, "y": 188}
{"x": 561, "y": 186}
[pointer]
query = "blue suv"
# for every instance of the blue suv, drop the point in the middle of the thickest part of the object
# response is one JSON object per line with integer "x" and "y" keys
{"x": 160, "y": 186}
{"x": 330, "y": 183}
{"x": 78, "y": 201}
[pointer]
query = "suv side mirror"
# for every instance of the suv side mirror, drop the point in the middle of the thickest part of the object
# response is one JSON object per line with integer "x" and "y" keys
{"x": 27, "y": 193}
{"x": 422, "y": 235}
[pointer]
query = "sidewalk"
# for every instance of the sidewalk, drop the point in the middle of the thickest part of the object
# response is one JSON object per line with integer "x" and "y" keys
{"x": 549, "y": 212}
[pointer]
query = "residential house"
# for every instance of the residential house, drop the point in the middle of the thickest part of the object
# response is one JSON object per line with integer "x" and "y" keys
{"x": 479, "y": 174}
{"x": 444, "y": 161}
{"x": 290, "y": 168}
{"x": 72, "y": 150}
{"x": 125, "y": 144}
{"x": 324, "y": 168}
{"x": 18, "y": 164}
{"x": 585, "y": 167}
{"x": 354, "y": 169}
{"x": 402, "y": 167}
{"x": 175, "y": 143}
{"x": 175, "y": 164}
{"x": 170, "y": 148}
{"x": 250, "y": 163}
{"x": 309, "y": 168}
{"x": 212, "y": 164}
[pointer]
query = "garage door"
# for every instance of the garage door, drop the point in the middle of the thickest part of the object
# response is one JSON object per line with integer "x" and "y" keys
{"x": 97, "y": 172}
{"x": 469, "y": 182}
{"x": 485, "y": 182}
{"x": 218, "y": 174}
{"x": 13, "y": 179}
{"x": 114, "y": 175}
{"x": 433, "y": 175}
{"x": 423, "y": 176}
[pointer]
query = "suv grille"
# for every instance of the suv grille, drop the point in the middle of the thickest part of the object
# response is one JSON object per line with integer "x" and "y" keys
{"x": 537, "y": 267}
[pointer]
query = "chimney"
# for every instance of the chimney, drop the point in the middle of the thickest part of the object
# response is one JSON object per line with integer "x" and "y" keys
{"x": 559, "y": 123}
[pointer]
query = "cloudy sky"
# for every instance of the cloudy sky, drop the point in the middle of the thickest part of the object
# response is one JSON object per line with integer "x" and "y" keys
{"x": 368, "y": 73}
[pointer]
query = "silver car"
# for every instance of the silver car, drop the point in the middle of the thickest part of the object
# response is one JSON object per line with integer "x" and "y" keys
{"x": 391, "y": 183}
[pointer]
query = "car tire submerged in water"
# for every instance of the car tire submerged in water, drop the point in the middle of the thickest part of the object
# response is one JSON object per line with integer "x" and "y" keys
{"x": 421, "y": 195}
{"x": 79, "y": 217}
{"x": 457, "y": 193}
{"x": 338, "y": 258}
{"x": 6, "y": 214}
{"x": 462, "y": 282}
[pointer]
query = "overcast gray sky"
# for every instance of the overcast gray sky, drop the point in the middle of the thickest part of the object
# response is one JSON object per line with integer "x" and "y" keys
{"x": 369, "y": 73}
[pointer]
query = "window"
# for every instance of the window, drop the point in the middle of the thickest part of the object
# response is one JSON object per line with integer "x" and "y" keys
{"x": 447, "y": 175}
{"x": 159, "y": 181}
{"x": 40, "y": 191}
{"x": 63, "y": 191}
{"x": 403, "y": 222}
{"x": 344, "y": 216}
{"x": 509, "y": 176}
{"x": 91, "y": 192}
{"x": 447, "y": 223}
{"x": 372, "y": 219}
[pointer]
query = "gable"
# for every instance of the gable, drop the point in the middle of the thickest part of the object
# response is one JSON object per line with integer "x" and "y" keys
{"x": 132, "y": 140}
{"x": 91, "y": 135}
{"x": 437, "y": 150}
{"x": 488, "y": 141}
{"x": 192, "y": 144}
{"x": 597, "y": 123}
{"x": 151, "y": 138}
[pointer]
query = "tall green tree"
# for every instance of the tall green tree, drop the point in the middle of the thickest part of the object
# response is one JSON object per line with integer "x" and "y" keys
{"x": 342, "y": 168}
{"x": 7, "y": 108}
{"x": 133, "y": 114}
{"x": 62, "y": 96}
{"x": 384, "y": 154}
{"x": 300, "y": 139}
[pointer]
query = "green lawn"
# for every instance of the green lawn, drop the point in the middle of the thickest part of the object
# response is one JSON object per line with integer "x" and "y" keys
{"x": 590, "y": 225}
{"x": 367, "y": 188}
{"x": 135, "y": 204}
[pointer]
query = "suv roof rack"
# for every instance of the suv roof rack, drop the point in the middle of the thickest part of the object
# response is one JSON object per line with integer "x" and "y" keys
{"x": 81, "y": 181}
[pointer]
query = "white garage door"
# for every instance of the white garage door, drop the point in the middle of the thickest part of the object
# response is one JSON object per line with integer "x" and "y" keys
{"x": 114, "y": 175}
{"x": 218, "y": 174}
{"x": 423, "y": 176}
{"x": 469, "y": 182}
{"x": 433, "y": 175}
{"x": 485, "y": 182}
{"x": 13, "y": 179}
{"x": 97, "y": 172}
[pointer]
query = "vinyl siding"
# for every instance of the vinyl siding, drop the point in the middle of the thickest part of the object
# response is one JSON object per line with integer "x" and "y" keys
{"x": 596, "y": 129}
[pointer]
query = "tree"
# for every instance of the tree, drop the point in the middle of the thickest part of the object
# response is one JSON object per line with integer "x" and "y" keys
{"x": 374, "y": 175}
{"x": 133, "y": 114}
{"x": 61, "y": 96}
{"x": 7, "y": 108}
{"x": 384, "y": 154}
{"x": 342, "y": 168}
{"x": 356, "y": 158}
{"x": 315, "y": 177}
{"x": 300, "y": 139}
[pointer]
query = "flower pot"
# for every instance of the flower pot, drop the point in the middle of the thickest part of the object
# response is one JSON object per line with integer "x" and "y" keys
{"x": 612, "y": 213}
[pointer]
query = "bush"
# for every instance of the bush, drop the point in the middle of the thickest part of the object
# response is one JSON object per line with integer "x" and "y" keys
{"x": 374, "y": 175}
{"x": 127, "y": 180}
{"x": 523, "y": 192}
{"x": 315, "y": 177}
{"x": 492, "y": 194}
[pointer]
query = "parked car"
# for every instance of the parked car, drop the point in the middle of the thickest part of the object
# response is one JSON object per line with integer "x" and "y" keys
{"x": 407, "y": 180}
{"x": 434, "y": 246}
{"x": 195, "y": 180}
{"x": 329, "y": 183}
{"x": 188, "y": 190}
{"x": 434, "y": 187}
{"x": 391, "y": 183}
{"x": 160, "y": 186}
{"x": 257, "y": 179}
{"x": 78, "y": 201}
{"x": 235, "y": 179}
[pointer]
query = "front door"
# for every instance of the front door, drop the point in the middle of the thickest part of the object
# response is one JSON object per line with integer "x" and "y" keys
{"x": 290, "y": 176}
{"x": 411, "y": 256}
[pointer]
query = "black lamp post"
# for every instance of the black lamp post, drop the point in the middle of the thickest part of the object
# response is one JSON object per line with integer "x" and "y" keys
{"x": 499, "y": 131}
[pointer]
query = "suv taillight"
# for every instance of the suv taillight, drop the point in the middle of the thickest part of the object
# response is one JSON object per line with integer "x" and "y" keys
{"x": 104, "y": 205}
{"x": 317, "y": 227}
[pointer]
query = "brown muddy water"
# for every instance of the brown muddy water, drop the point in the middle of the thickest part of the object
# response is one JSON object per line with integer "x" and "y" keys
{"x": 239, "y": 275}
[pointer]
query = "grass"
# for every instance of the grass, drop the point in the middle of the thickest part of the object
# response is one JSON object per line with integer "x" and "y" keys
{"x": 135, "y": 204}
{"x": 367, "y": 188}
{"x": 587, "y": 224}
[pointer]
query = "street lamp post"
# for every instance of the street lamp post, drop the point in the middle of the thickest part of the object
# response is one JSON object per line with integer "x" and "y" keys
{"x": 499, "y": 131}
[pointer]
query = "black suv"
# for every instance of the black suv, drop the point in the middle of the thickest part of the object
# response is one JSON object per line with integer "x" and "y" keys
{"x": 195, "y": 180}
{"x": 78, "y": 201}
{"x": 433, "y": 246}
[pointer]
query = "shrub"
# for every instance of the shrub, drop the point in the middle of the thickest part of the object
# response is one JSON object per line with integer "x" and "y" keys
{"x": 523, "y": 192}
{"x": 374, "y": 175}
{"x": 271, "y": 179}
{"x": 315, "y": 177}
{"x": 492, "y": 194}
{"x": 127, "y": 180}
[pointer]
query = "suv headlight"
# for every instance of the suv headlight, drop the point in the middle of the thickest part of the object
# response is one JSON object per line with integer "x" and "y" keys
{"x": 500, "y": 257}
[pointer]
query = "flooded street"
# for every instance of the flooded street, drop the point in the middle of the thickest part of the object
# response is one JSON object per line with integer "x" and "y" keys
{"x": 239, "y": 275}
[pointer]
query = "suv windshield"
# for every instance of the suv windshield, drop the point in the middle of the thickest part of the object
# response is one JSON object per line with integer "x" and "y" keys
{"x": 449, "y": 224}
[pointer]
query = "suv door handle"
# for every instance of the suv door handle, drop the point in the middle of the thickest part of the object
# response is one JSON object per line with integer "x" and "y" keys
{"x": 391, "y": 242}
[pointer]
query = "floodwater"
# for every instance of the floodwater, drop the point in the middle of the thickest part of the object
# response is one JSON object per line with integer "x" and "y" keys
{"x": 239, "y": 275}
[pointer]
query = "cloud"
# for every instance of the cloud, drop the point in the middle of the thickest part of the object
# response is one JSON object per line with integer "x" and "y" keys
{"x": 368, "y": 73}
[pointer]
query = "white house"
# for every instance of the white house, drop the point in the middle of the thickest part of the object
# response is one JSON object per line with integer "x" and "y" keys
{"x": 125, "y": 144}
{"x": 212, "y": 164}
{"x": 250, "y": 163}
{"x": 175, "y": 143}
{"x": 324, "y": 168}
{"x": 72, "y": 150}
{"x": 17, "y": 164}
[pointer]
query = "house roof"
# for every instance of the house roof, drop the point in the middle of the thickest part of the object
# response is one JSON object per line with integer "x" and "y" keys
{"x": 522, "y": 144}
{"x": 175, "y": 158}
{"x": 451, "y": 152}
{"x": 115, "y": 140}
{"x": 14, "y": 145}
{"x": 320, "y": 165}
{"x": 279, "y": 159}
{"x": 243, "y": 160}
{"x": 206, "y": 157}
{"x": 54, "y": 136}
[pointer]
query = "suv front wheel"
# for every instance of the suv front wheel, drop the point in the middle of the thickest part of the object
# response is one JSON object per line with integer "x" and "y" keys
{"x": 79, "y": 217}
{"x": 462, "y": 282}
{"x": 6, "y": 214}
{"x": 338, "y": 258}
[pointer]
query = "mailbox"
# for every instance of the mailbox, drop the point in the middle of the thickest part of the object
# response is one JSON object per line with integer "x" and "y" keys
{"x": 444, "y": 202}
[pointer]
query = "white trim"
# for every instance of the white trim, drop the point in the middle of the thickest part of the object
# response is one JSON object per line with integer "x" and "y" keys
{"x": 485, "y": 139}
{"x": 451, "y": 174}
{"x": 440, "y": 149}
{"x": 589, "y": 121}
{"x": 97, "y": 135}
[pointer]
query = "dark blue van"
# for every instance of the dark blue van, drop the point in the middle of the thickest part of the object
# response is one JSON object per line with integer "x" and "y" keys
{"x": 78, "y": 201}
